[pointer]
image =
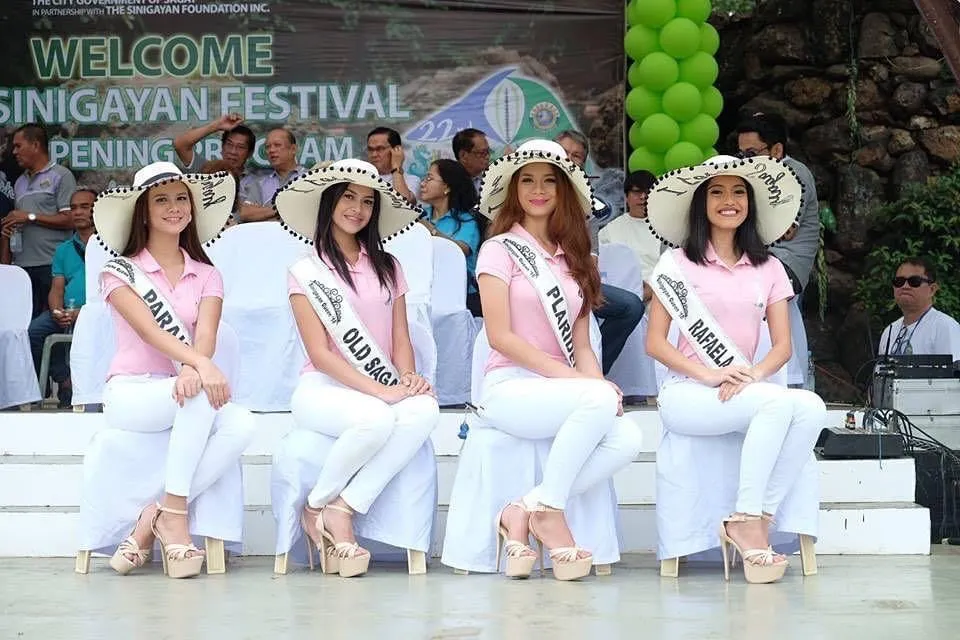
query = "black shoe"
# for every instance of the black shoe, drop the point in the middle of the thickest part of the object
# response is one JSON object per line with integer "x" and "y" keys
{"x": 65, "y": 397}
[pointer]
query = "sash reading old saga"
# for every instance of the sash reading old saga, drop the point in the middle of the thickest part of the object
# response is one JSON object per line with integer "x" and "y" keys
{"x": 341, "y": 322}
{"x": 161, "y": 308}
{"x": 534, "y": 266}
{"x": 695, "y": 321}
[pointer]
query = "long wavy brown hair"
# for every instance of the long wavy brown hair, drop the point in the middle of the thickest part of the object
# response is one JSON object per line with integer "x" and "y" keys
{"x": 567, "y": 227}
{"x": 140, "y": 230}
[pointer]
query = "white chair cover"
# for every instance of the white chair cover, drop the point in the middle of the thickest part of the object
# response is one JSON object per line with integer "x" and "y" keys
{"x": 124, "y": 470}
{"x": 18, "y": 379}
{"x": 453, "y": 325}
{"x": 253, "y": 259}
{"x": 634, "y": 371}
{"x": 94, "y": 343}
{"x": 495, "y": 468}
{"x": 697, "y": 480}
{"x": 414, "y": 251}
{"x": 799, "y": 358}
{"x": 402, "y": 517}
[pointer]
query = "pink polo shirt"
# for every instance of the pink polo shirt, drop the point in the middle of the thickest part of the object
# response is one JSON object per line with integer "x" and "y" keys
{"x": 737, "y": 297}
{"x": 372, "y": 303}
{"x": 198, "y": 280}
{"x": 527, "y": 316}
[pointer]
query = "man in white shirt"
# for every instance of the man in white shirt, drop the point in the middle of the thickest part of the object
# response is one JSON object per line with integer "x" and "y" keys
{"x": 632, "y": 229}
{"x": 923, "y": 330}
{"x": 385, "y": 152}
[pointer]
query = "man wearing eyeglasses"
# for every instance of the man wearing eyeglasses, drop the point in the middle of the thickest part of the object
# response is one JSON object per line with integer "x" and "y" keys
{"x": 237, "y": 145}
{"x": 923, "y": 330}
{"x": 472, "y": 151}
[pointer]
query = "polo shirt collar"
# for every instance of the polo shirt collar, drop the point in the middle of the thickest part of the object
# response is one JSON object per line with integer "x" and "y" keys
{"x": 150, "y": 264}
{"x": 520, "y": 231}
{"x": 711, "y": 255}
{"x": 46, "y": 168}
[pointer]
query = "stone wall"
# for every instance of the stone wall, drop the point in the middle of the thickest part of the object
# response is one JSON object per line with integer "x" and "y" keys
{"x": 870, "y": 106}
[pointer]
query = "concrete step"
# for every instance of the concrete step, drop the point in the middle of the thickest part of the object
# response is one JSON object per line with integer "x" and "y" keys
{"x": 57, "y": 480}
{"x": 845, "y": 528}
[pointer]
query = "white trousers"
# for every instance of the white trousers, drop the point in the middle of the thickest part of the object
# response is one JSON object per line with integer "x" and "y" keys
{"x": 590, "y": 443}
{"x": 204, "y": 442}
{"x": 781, "y": 427}
{"x": 375, "y": 440}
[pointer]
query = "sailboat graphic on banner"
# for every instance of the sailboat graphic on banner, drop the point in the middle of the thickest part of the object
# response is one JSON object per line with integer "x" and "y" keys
{"x": 509, "y": 107}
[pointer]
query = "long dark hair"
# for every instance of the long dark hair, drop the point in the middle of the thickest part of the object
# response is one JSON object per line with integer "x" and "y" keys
{"x": 567, "y": 227}
{"x": 368, "y": 237}
{"x": 140, "y": 230}
{"x": 746, "y": 239}
{"x": 463, "y": 196}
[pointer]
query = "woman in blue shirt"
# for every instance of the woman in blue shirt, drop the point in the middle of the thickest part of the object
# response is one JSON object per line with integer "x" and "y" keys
{"x": 449, "y": 191}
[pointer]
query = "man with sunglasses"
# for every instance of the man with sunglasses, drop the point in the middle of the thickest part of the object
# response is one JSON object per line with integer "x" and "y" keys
{"x": 923, "y": 330}
{"x": 766, "y": 135}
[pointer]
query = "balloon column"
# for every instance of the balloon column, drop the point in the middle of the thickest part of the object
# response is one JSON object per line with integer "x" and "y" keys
{"x": 672, "y": 100}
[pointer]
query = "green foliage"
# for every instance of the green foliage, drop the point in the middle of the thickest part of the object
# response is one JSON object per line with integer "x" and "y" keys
{"x": 924, "y": 223}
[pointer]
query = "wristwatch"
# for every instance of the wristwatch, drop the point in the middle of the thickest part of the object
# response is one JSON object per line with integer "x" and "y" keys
{"x": 32, "y": 217}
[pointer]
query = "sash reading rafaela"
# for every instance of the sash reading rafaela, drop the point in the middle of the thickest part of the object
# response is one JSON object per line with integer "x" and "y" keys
{"x": 341, "y": 321}
{"x": 695, "y": 321}
{"x": 161, "y": 308}
{"x": 534, "y": 266}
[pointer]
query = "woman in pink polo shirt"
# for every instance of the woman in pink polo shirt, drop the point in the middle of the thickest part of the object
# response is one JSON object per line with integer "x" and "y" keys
{"x": 542, "y": 378}
{"x": 359, "y": 383}
{"x": 165, "y": 298}
{"x": 717, "y": 287}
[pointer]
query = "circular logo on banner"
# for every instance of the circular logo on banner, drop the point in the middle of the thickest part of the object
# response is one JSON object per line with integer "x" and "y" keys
{"x": 544, "y": 115}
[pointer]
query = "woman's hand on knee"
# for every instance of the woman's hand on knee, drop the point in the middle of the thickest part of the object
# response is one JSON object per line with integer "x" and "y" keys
{"x": 733, "y": 374}
{"x": 214, "y": 383}
{"x": 730, "y": 389}
{"x": 619, "y": 396}
{"x": 187, "y": 385}
{"x": 394, "y": 393}
{"x": 416, "y": 384}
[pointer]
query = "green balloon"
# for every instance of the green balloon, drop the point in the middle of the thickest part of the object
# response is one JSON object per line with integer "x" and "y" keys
{"x": 655, "y": 13}
{"x": 682, "y": 102}
{"x": 701, "y": 131}
{"x": 682, "y": 154}
{"x": 700, "y": 70}
{"x": 658, "y": 71}
{"x": 696, "y": 10}
{"x": 641, "y": 102}
{"x": 633, "y": 15}
{"x": 711, "y": 101}
{"x": 709, "y": 153}
{"x": 642, "y": 158}
{"x": 659, "y": 132}
{"x": 680, "y": 38}
{"x": 636, "y": 140}
{"x": 640, "y": 41}
{"x": 709, "y": 38}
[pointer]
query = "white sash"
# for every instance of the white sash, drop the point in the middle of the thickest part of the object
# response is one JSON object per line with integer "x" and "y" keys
{"x": 695, "y": 321}
{"x": 339, "y": 319}
{"x": 161, "y": 308}
{"x": 533, "y": 264}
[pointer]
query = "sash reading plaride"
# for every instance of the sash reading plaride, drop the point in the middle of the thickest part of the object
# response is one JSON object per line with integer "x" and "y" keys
{"x": 537, "y": 271}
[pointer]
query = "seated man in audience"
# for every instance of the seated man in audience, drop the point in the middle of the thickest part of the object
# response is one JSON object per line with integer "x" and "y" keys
{"x": 237, "y": 146}
{"x": 472, "y": 151}
{"x": 281, "y": 148}
{"x": 923, "y": 330}
{"x": 67, "y": 294}
{"x": 632, "y": 229}
{"x": 622, "y": 310}
{"x": 385, "y": 152}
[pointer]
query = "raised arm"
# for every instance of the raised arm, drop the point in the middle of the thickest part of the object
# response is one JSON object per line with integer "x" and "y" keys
{"x": 183, "y": 143}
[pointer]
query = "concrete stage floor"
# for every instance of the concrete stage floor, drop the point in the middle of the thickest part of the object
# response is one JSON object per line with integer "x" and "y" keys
{"x": 863, "y": 597}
